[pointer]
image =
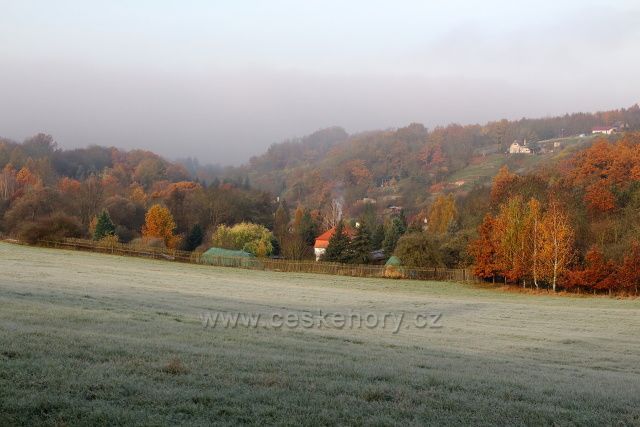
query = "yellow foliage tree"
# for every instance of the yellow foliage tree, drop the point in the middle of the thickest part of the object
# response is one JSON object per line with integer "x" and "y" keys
{"x": 557, "y": 237}
{"x": 512, "y": 233}
{"x": 442, "y": 214}
{"x": 138, "y": 194}
{"x": 92, "y": 225}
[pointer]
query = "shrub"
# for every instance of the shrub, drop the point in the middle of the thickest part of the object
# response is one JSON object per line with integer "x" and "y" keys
{"x": 253, "y": 238}
{"x": 56, "y": 227}
{"x": 148, "y": 242}
{"x": 110, "y": 241}
{"x": 418, "y": 249}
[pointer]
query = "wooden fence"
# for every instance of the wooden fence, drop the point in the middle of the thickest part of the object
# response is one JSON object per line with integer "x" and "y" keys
{"x": 291, "y": 266}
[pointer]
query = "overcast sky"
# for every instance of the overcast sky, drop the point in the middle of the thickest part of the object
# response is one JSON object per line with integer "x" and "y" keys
{"x": 222, "y": 80}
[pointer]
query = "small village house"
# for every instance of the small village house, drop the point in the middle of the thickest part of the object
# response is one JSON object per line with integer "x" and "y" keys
{"x": 322, "y": 241}
{"x": 604, "y": 130}
{"x": 517, "y": 148}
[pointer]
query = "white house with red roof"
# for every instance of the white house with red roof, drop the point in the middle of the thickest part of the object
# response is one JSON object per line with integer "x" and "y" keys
{"x": 322, "y": 241}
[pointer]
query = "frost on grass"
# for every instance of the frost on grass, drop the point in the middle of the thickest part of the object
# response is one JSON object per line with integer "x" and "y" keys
{"x": 94, "y": 340}
{"x": 175, "y": 367}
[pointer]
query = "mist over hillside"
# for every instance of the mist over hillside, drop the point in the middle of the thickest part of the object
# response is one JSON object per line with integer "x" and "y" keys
{"x": 406, "y": 166}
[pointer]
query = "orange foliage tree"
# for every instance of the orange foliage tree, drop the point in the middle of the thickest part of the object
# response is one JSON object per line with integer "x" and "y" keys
{"x": 628, "y": 275}
{"x": 522, "y": 242}
{"x": 599, "y": 198}
{"x": 25, "y": 177}
{"x": 159, "y": 223}
{"x": 598, "y": 274}
{"x": 485, "y": 250}
{"x": 501, "y": 183}
{"x": 605, "y": 167}
{"x": 68, "y": 185}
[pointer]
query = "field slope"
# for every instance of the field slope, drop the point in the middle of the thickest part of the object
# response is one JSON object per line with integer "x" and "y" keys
{"x": 98, "y": 339}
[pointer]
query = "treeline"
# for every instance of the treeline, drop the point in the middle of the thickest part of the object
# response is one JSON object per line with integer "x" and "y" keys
{"x": 46, "y": 192}
{"x": 575, "y": 228}
{"x": 399, "y": 166}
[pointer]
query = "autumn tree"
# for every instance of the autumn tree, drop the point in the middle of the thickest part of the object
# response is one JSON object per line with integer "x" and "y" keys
{"x": 128, "y": 215}
{"x": 26, "y": 178}
{"x": 150, "y": 170}
{"x": 356, "y": 172}
{"x": 599, "y": 198}
{"x": 556, "y": 249}
{"x": 513, "y": 249}
{"x": 54, "y": 227}
{"x": 628, "y": 273}
{"x": 159, "y": 223}
{"x": 31, "y": 207}
{"x": 442, "y": 214}
{"x": 485, "y": 250}
{"x": 598, "y": 273}
{"x": 501, "y": 184}
{"x": 8, "y": 183}
{"x": 249, "y": 237}
{"x": 534, "y": 237}
{"x": 434, "y": 158}
{"x": 177, "y": 197}
{"x": 90, "y": 197}
{"x": 294, "y": 245}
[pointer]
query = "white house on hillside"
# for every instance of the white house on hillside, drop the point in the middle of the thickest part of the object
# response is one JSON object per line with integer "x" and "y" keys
{"x": 516, "y": 148}
{"x": 604, "y": 130}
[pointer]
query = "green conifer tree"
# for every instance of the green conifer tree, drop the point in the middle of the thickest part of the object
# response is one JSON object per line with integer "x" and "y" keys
{"x": 395, "y": 230}
{"x": 360, "y": 246}
{"x": 308, "y": 228}
{"x": 194, "y": 238}
{"x": 338, "y": 248}
{"x": 104, "y": 226}
{"x": 377, "y": 237}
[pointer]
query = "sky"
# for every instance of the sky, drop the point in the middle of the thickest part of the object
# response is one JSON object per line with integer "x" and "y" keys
{"x": 222, "y": 80}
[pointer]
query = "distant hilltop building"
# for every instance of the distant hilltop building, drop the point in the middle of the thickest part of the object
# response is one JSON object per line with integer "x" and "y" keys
{"x": 517, "y": 148}
{"x": 604, "y": 130}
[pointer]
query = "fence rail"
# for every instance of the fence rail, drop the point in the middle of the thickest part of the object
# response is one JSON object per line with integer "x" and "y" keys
{"x": 291, "y": 266}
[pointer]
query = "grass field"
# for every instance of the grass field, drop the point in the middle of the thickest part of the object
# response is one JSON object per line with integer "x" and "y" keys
{"x": 99, "y": 339}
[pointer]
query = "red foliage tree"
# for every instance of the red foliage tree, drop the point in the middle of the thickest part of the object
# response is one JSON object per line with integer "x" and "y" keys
{"x": 628, "y": 274}
{"x": 599, "y": 273}
{"x": 484, "y": 250}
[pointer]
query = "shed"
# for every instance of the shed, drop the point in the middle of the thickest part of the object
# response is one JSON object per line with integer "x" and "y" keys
{"x": 394, "y": 261}
{"x": 229, "y": 258}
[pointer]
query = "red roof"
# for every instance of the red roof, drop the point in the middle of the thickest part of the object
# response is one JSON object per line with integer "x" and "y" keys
{"x": 596, "y": 128}
{"x": 322, "y": 241}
